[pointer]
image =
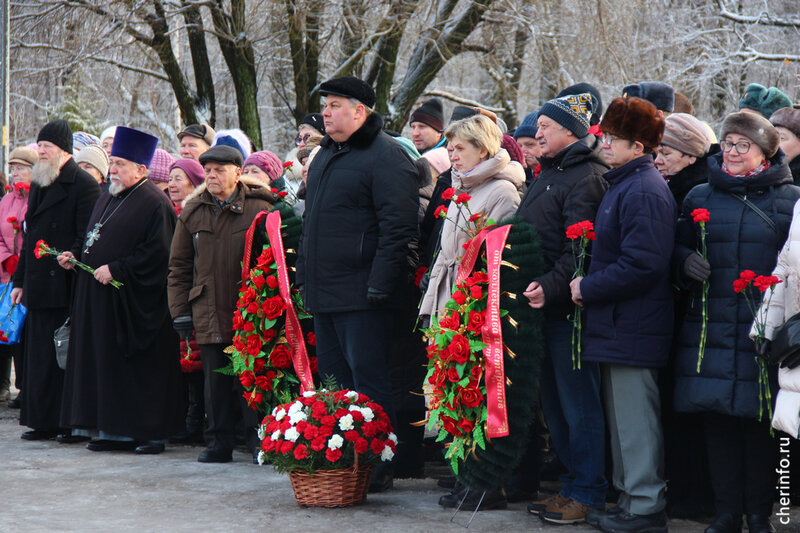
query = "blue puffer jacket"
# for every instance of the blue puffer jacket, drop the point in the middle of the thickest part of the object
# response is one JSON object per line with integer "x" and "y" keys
{"x": 737, "y": 239}
{"x": 627, "y": 291}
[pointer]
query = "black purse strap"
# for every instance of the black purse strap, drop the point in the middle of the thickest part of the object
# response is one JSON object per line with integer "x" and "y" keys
{"x": 756, "y": 210}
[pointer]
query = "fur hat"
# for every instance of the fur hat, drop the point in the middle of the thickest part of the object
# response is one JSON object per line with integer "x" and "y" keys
{"x": 597, "y": 101}
{"x": 57, "y": 132}
{"x": 268, "y": 162}
{"x": 95, "y": 156}
{"x": 160, "y": 165}
{"x": 349, "y": 87}
{"x": 25, "y": 156}
{"x": 686, "y": 134}
{"x": 528, "y": 127}
{"x": 657, "y": 93}
{"x": 572, "y": 111}
{"x": 754, "y": 127}
{"x": 430, "y": 113}
{"x": 765, "y": 101}
{"x": 194, "y": 170}
{"x": 789, "y": 118}
{"x": 235, "y": 138}
{"x": 634, "y": 119}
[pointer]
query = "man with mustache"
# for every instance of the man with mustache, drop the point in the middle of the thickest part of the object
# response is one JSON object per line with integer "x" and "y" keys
{"x": 61, "y": 199}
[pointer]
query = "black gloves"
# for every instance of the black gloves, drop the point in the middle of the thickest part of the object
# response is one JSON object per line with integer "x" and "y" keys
{"x": 183, "y": 326}
{"x": 696, "y": 268}
{"x": 377, "y": 297}
{"x": 763, "y": 347}
{"x": 424, "y": 282}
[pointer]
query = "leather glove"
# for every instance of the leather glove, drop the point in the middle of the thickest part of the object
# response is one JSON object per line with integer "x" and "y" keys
{"x": 696, "y": 268}
{"x": 376, "y": 297}
{"x": 763, "y": 347}
{"x": 183, "y": 326}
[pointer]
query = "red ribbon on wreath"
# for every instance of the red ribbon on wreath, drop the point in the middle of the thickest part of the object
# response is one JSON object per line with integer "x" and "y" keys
{"x": 492, "y": 331}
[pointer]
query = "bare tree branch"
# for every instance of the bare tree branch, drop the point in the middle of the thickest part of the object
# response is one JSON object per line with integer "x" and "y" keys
{"x": 461, "y": 100}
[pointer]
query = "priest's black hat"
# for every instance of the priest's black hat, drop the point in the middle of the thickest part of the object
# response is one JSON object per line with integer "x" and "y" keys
{"x": 134, "y": 145}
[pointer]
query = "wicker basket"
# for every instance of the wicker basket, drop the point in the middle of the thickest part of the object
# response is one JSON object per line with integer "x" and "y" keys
{"x": 342, "y": 487}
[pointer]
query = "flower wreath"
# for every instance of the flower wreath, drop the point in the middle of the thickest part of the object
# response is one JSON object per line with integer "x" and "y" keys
{"x": 262, "y": 355}
{"x": 457, "y": 366}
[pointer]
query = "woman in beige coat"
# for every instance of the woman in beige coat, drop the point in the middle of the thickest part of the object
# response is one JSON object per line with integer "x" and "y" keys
{"x": 484, "y": 171}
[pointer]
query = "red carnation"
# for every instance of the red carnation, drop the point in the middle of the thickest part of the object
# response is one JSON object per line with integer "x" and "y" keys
{"x": 418, "y": 275}
{"x": 301, "y": 452}
{"x": 740, "y": 284}
{"x": 475, "y": 217}
{"x": 361, "y": 445}
{"x": 288, "y": 164}
{"x": 747, "y": 275}
{"x": 351, "y": 435}
{"x": 463, "y": 198}
{"x": 328, "y": 420}
{"x": 11, "y": 220}
{"x": 318, "y": 444}
{"x": 701, "y": 215}
{"x": 448, "y": 193}
{"x": 286, "y": 447}
{"x": 440, "y": 212}
{"x": 763, "y": 283}
{"x": 377, "y": 446}
{"x": 333, "y": 455}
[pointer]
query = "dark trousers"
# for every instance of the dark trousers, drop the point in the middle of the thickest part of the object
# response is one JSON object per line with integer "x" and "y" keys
{"x": 223, "y": 401}
{"x": 574, "y": 413}
{"x": 44, "y": 380}
{"x": 352, "y": 348}
{"x": 742, "y": 457}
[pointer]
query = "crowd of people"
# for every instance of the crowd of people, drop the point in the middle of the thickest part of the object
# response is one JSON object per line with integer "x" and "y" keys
{"x": 639, "y": 421}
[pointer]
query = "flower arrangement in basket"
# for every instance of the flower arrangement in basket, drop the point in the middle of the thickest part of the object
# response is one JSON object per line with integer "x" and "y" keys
{"x": 262, "y": 355}
{"x": 329, "y": 441}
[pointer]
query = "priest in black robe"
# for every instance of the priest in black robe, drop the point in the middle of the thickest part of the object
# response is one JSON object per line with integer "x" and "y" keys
{"x": 123, "y": 381}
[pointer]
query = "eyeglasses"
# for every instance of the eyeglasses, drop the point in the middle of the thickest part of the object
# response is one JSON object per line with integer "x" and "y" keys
{"x": 303, "y": 139}
{"x": 742, "y": 147}
{"x": 607, "y": 138}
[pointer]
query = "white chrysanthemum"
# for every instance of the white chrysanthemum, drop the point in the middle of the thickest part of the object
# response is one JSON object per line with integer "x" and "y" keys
{"x": 386, "y": 454}
{"x": 296, "y": 417}
{"x": 335, "y": 442}
{"x": 291, "y": 434}
{"x": 275, "y": 434}
{"x": 368, "y": 414}
{"x": 353, "y": 408}
{"x": 393, "y": 437}
{"x": 295, "y": 407}
{"x": 353, "y": 395}
{"x": 262, "y": 432}
{"x": 262, "y": 457}
{"x": 280, "y": 414}
{"x": 346, "y": 422}
{"x": 309, "y": 393}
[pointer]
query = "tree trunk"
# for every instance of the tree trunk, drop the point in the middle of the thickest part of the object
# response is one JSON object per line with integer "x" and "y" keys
{"x": 206, "y": 98}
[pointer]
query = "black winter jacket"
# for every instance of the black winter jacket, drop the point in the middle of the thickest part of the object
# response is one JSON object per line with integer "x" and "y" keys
{"x": 568, "y": 190}
{"x": 684, "y": 181}
{"x": 361, "y": 212}
{"x": 737, "y": 239}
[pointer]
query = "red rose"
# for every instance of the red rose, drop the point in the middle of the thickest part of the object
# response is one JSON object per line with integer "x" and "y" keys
{"x": 480, "y": 277}
{"x": 253, "y": 345}
{"x": 459, "y": 349}
{"x": 450, "y": 320}
{"x": 262, "y": 382}
{"x": 273, "y": 307}
{"x": 475, "y": 321}
{"x": 438, "y": 378}
{"x": 333, "y": 455}
{"x": 238, "y": 320}
{"x": 452, "y": 375}
{"x": 259, "y": 364}
{"x": 466, "y": 425}
{"x": 301, "y": 452}
{"x": 312, "y": 361}
{"x": 268, "y": 335}
{"x": 476, "y": 292}
{"x": 459, "y": 298}
{"x": 470, "y": 396}
{"x": 265, "y": 259}
{"x": 361, "y": 445}
{"x": 449, "y": 425}
{"x": 258, "y": 281}
{"x": 448, "y": 193}
{"x": 280, "y": 357}
{"x": 272, "y": 282}
{"x": 247, "y": 379}
{"x": 476, "y": 373}
{"x": 701, "y": 215}
{"x": 252, "y": 308}
{"x": 463, "y": 198}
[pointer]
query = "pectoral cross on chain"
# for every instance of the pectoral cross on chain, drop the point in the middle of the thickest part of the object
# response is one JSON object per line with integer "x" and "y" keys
{"x": 92, "y": 237}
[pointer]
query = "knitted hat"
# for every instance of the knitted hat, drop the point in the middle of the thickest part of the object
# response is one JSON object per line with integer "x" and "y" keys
{"x": 134, "y": 145}
{"x": 108, "y": 132}
{"x": 682, "y": 104}
{"x": 430, "y": 113}
{"x": 573, "y": 112}
{"x": 461, "y": 112}
{"x": 95, "y": 156}
{"x": 192, "y": 168}
{"x": 686, "y": 134}
{"x": 513, "y": 149}
{"x": 57, "y": 132}
{"x": 268, "y": 162}
{"x": 787, "y": 117}
{"x": 408, "y": 146}
{"x": 765, "y": 101}
{"x": 81, "y": 139}
{"x": 222, "y": 154}
{"x": 528, "y": 127}
{"x": 754, "y": 127}
{"x": 201, "y": 131}
{"x": 349, "y": 87}
{"x": 235, "y": 138}
{"x": 597, "y": 101}
{"x": 314, "y": 120}
{"x": 23, "y": 156}
{"x": 634, "y": 119}
{"x": 160, "y": 165}
{"x": 438, "y": 158}
{"x": 657, "y": 93}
